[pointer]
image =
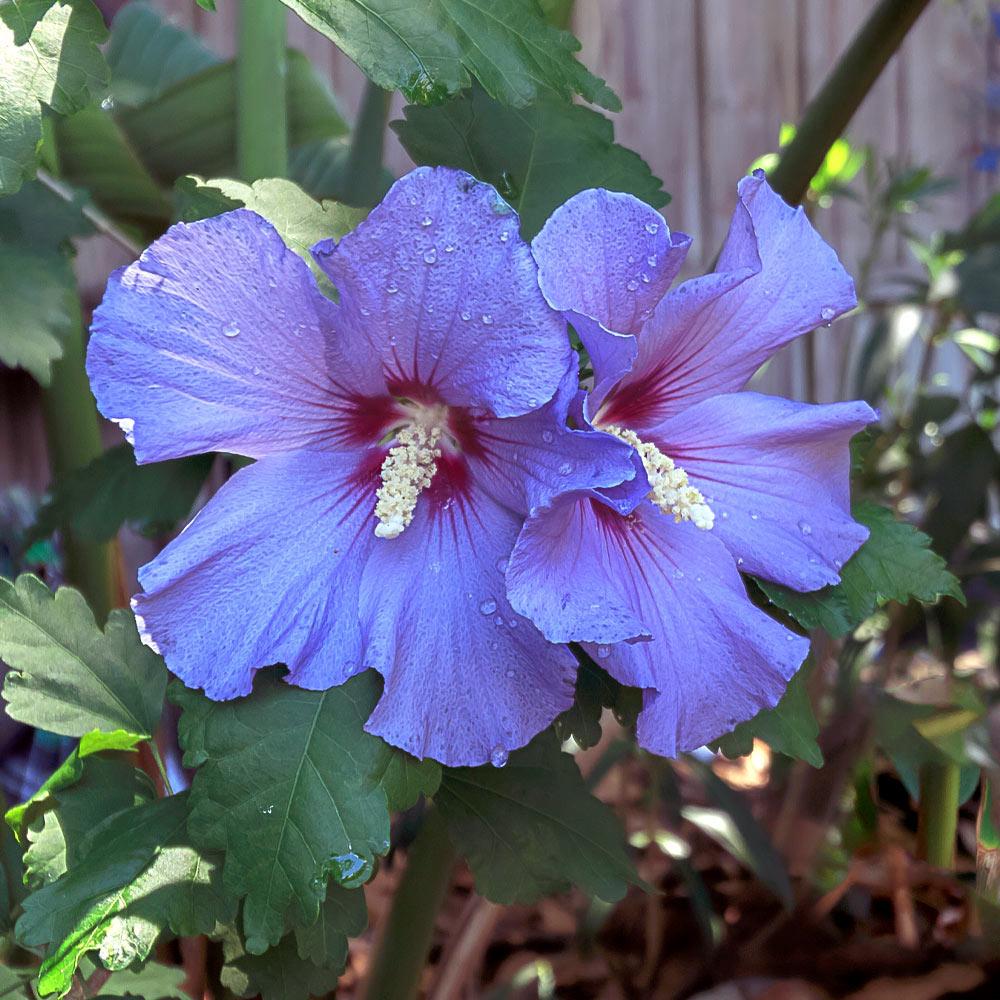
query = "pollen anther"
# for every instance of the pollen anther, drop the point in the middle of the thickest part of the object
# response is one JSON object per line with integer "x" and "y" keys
{"x": 669, "y": 487}
{"x": 406, "y": 470}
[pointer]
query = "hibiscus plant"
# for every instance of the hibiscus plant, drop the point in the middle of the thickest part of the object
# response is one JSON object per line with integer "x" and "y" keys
{"x": 453, "y": 477}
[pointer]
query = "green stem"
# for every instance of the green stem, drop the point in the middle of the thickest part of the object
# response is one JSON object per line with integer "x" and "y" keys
{"x": 160, "y": 766}
{"x": 261, "y": 101}
{"x": 74, "y": 440}
{"x": 402, "y": 951}
{"x": 938, "y": 821}
{"x": 363, "y": 173}
{"x": 845, "y": 88}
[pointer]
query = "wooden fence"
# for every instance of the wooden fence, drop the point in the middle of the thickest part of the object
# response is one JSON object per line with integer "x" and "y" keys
{"x": 705, "y": 85}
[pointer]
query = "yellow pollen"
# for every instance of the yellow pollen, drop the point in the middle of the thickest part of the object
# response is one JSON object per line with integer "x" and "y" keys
{"x": 669, "y": 487}
{"x": 406, "y": 470}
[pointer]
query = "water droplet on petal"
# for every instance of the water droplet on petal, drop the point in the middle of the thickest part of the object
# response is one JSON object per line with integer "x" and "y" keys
{"x": 466, "y": 316}
{"x": 487, "y": 319}
{"x": 430, "y": 256}
{"x": 391, "y": 289}
{"x": 497, "y": 621}
{"x": 231, "y": 330}
{"x": 652, "y": 228}
{"x": 548, "y": 437}
{"x": 632, "y": 284}
{"x": 504, "y": 236}
{"x": 826, "y": 314}
{"x": 678, "y": 574}
{"x": 501, "y": 565}
{"x": 805, "y": 528}
{"x": 789, "y": 637}
{"x": 651, "y": 260}
{"x": 510, "y": 672}
{"x": 603, "y": 652}
{"x": 740, "y": 561}
{"x": 498, "y": 756}
{"x": 565, "y": 469}
{"x": 256, "y": 369}
{"x": 754, "y": 516}
{"x": 426, "y": 221}
{"x": 449, "y": 248}
{"x": 488, "y": 606}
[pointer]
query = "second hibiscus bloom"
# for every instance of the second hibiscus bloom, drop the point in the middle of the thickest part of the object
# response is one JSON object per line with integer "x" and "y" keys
{"x": 408, "y": 435}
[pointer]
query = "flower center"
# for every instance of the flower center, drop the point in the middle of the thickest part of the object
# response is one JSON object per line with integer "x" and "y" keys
{"x": 407, "y": 470}
{"x": 669, "y": 488}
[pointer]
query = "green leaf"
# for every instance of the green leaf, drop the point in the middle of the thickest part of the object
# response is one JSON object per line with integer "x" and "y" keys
{"x": 68, "y": 773}
{"x": 40, "y": 308}
{"x": 11, "y": 885}
{"x": 191, "y": 128}
{"x": 278, "y": 974}
{"x": 59, "y": 825}
{"x": 301, "y": 221}
{"x": 536, "y": 157}
{"x": 733, "y": 826}
{"x": 434, "y": 49}
{"x": 49, "y": 56}
{"x": 38, "y": 218}
{"x": 895, "y": 564}
{"x": 14, "y": 983}
{"x": 531, "y": 827}
{"x": 69, "y": 677}
{"x": 95, "y": 501}
{"x": 152, "y": 982}
{"x": 342, "y": 915}
{"x": 977, "y": 284}
{"x": 789, "y": 728}
{"x": 288, "y": 786}
{"x": 147, "y": 54}
{"x": 138, "y": 877}
{"x": 320, "y": 167}
{"x": 405, "y": 778}
{"x": 958, "y": 477}
{"x": 94, "y": 154}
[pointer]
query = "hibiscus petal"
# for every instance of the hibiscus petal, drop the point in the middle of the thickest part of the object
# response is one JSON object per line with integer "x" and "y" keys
{"x": 216, "y": 338}
{"x": 441, "y": 283}
{"x": 776, "y": 279}
{"x": 607, "y": 256}
{"x": 466, "y": 679}
{"x": 523, "y": 462}
{"x": 714, "y": 659}
{"x": 563, "y": 574}
{"x": 777, "y": 475}
{"x": 268, "y": 572}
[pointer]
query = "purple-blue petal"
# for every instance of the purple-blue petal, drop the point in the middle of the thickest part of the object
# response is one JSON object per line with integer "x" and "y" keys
{"x": 438, "y": 280}
{"x": 776, "y": 279}
{"x": 560, "y": 574}
{"x": 777, "y": 476}
{"x": 608, "y": 256}
{"x": 467, "y": 680}
{"x": 268, "y": 572}
{"x": 217, "y": 338}
{"x": 523, "y": 462}
{"x": 713, "y": 659}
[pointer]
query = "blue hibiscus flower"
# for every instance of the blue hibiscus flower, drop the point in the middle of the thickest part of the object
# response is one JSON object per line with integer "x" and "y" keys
{"x": 401, "y": 436}
{"x": 648, "y": 574}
